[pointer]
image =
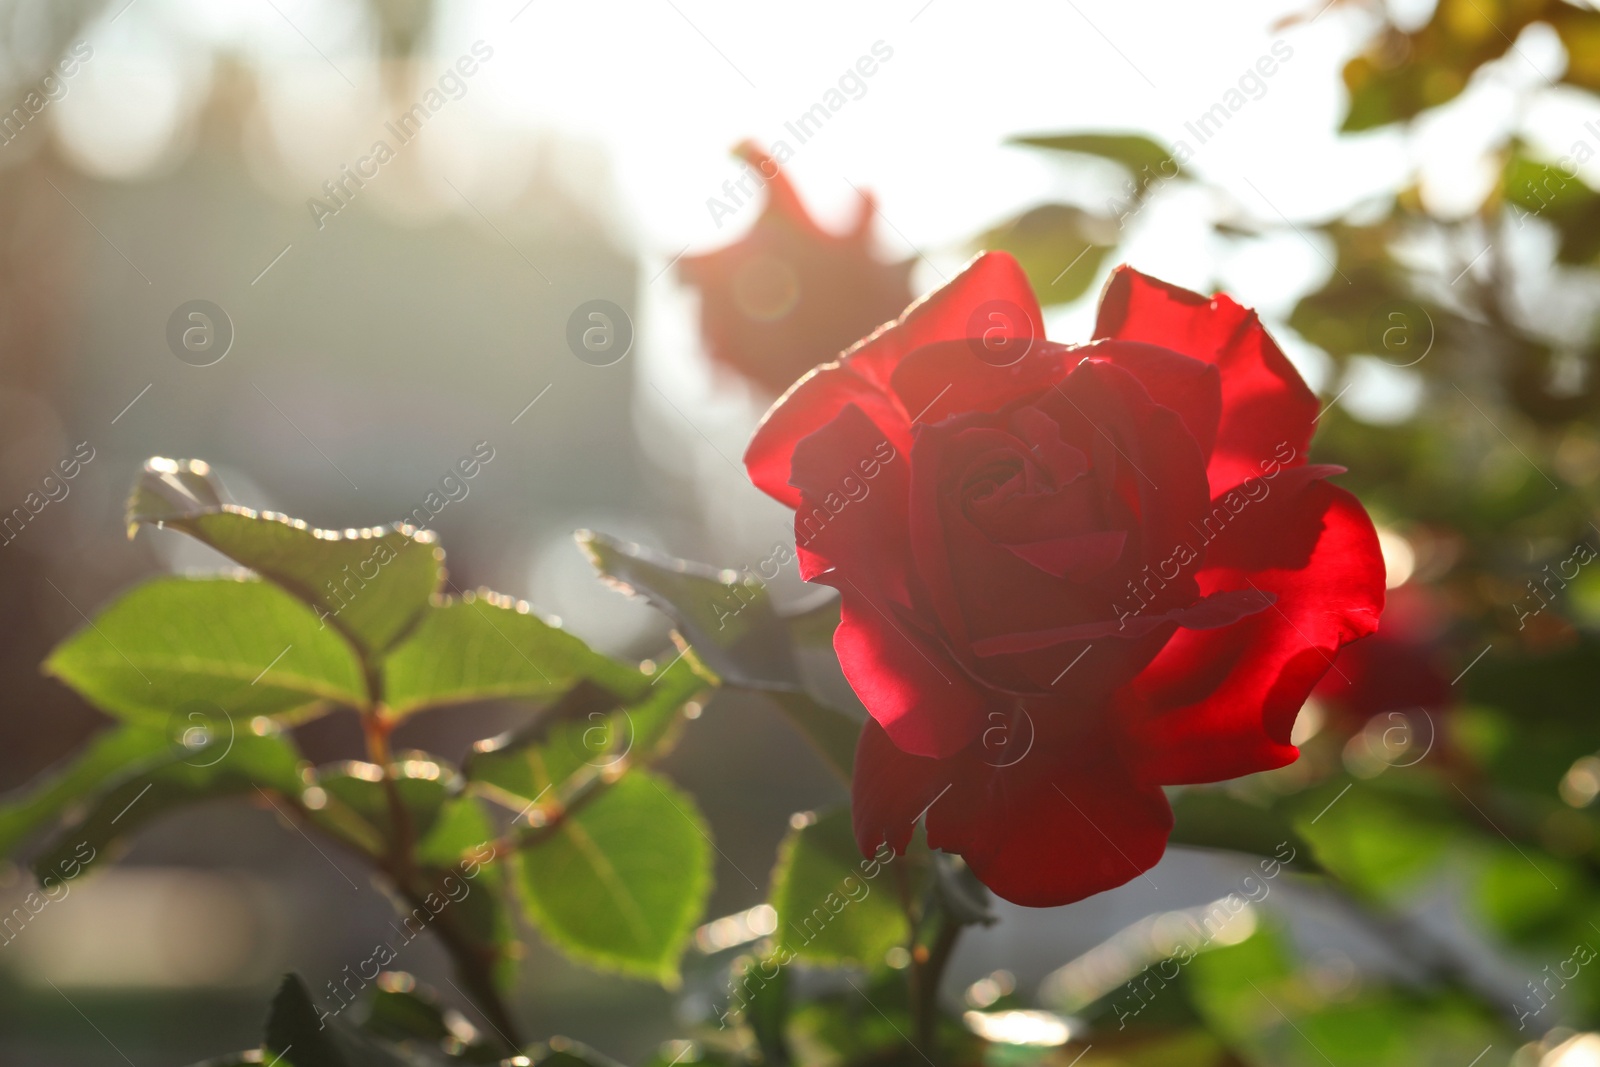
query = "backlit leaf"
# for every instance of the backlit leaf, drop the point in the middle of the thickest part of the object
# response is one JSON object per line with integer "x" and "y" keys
{"x": 833, "y": 906}
{"x": 727, "y": 618}
{"x": 482, "y": 647}
{"x": 621, "y": 882}
{"x": 368, "y": 584}
{"x": 228, "y": 647}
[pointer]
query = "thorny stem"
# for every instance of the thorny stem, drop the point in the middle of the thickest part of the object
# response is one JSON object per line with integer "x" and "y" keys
{"x": 376, "y": 725}
{"x": 929, "y": 974}
{"x": 928, "y": 962}
{"x": 474, "y": 966}
{"x": 914, "y": 976}
{"x": 474, "y": 961}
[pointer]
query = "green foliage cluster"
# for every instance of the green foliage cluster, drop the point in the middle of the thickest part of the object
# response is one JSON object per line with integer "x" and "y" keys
{"x": 564, "y": 827}
{"x": 562, "y": 821}
{"x": 1495, "y": 487}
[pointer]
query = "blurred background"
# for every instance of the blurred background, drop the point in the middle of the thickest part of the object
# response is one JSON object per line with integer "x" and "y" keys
{"x": 1402, "y": 188}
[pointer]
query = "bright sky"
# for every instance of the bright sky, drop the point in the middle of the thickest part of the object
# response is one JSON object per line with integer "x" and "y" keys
{"x": 659, "y": 90}
{"x": 664, "y": 87}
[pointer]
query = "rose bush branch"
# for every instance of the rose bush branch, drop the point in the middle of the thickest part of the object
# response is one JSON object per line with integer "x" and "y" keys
{"x": 204, "y": 674}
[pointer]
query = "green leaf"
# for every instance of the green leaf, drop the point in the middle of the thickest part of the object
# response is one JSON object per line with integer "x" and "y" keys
{"x": 368, "y": 584}
{"x": 1146, "y": 159}
{"x": 298, "y": 1035}
{"x": 733, "y": 628}
{"x": 485, "y": 914}
{"x": 1215, "y": 818}
{"x": 410, "y": 1015}
{"x": 1545, "y": 712}
{"x": 482, "y": 647}
{"x": 565, "y": 760}
{"x": 763, "y": 1003}
{"x": 1221, "y": 982}
{"x": 585, "y": 735}
{"x": 727, "y": 619}
{"x": 830, "y": 908}
{"x": 1538, "y": 187}
{"x": 400, "y": 1011}
{"x": 244, "y": 763}
{"x": 403, "y": 1026}
{"x": 832, "y": 733}
{"x": 1382, "y": 92}
{"x": 461, "y": 825}
{"x": 1376, "y": 843}
{"x": 827, "y": 711}
{"x": 1523, "y": 898}
{"x": 677, "y": 1053}
{"x": 869, "y": 1024}
{"x": 563, "y": 1052}
{"x": 1252, "y": 997}
{"x": 1404, "y": 74}
{"x": 112, "y": 753}
{"x": 1579, "y": 30}
{"x": 1163, "y": 1047}
{"x": 1060, "y": 248}
{"x": 621, "y": 882}
{"x": 811, "y": 630}
{"x": 237, "y": 647}
{"x": 423, "y": 785}
{"x": 1370, "y": 305}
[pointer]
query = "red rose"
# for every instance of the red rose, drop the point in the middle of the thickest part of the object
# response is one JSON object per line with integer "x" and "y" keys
{"x": 789, "y": 294}
{"x": 1070, "y": 575}
{"x": 1399, "y": 668}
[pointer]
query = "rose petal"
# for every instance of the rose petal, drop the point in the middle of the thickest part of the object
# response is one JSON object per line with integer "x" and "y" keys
{"x": 969, "y": 576}
{"x": 1064, "y": 463}
{"x": 810, "y": 404}
{"x": 789, "y": 295}
{"x": 1208, "y": 613}
{"x": 1129, "y": 431}
{"x": 947, "y": 314}
{"x": 852, "y": 534}
{"x": 1266, "y": 407}
{"x": 1089, "y": 829}
{"x": 1385, "y": 673}
{"x": 1221, "y": 703}
{"x": 922, "y": 698}
{"x": 1397, "y": 669}
{"x": 1190, "y": 387}
{"x": 1057, "y": 820}
{"x": 1078, "y": 558}
{"x": 862, "y": 375}
{"x": 852, "y": 513}
{"x": 782, "y": 199}
{"x": 947, "y": 377}
{"x": 1150, "y": 476}
{"x": 889, "y": 790}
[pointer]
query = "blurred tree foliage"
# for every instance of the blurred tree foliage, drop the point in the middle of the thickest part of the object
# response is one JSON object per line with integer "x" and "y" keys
{"x": 1489, "y": 486}
{"x": 1466, "y": 840}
